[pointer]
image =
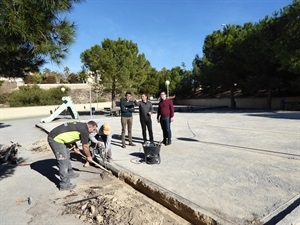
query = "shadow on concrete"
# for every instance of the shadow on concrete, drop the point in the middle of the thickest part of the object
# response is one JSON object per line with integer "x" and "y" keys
{"x": 276, "y": 219}
{"x": 191, "y": 109}
{"x": 187, "y": 139}
{"x": 119, "y": 143}
{"x": 77, "y": 157}
{"x": 3, "y": 125}
{"x": 137, "y": 140}
{"x": 257, "y": 150}
{"x": 282, "y": 115}
{"x": 116, "y": 136}
{"x": 7, "y": 170}
{"x": 46, "y": 168}
{"x": 87, "y": 113}
{"x": 116, "y": 143}
{"x": 140, "y": 155}
{"x": 249, "y": 112}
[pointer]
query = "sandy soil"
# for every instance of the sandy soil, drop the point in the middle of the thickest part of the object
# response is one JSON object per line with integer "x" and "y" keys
{"x": 100, "y": 199}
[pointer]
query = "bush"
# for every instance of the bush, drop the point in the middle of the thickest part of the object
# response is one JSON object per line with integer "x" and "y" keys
{"x": 51, "y": 79}
{"x": 74, "y": 79}
{"x": 30, "y": 79}
{"x": 35, "y": 96}
{"x": 4, "y": 98}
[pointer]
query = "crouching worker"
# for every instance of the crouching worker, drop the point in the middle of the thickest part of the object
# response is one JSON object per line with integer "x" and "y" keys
{"x": 66, "y": 134}
{"x": 101, "y": 141}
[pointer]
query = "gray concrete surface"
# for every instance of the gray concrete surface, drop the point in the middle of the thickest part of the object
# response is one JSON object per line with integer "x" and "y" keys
{"x": 237, "y": 166}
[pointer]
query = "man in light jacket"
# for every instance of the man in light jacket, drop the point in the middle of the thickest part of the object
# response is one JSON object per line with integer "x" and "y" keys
{"x": 101, "y": 138}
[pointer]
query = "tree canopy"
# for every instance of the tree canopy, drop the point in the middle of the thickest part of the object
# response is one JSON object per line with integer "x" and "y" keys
{"x": 32, "y": 31}
{"x": 120, "y": 65}
{"x": 260, "y": 56}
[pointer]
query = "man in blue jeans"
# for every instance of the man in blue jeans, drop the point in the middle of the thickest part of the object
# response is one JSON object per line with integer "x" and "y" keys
{"x": 67, "y": 134}
{"x": 165, "y": 115}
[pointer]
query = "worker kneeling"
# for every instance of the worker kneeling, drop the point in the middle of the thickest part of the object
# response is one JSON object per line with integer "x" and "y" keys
{"x": 101, "y": 142}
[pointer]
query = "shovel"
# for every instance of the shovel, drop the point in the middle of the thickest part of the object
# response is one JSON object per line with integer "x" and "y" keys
{"x": 96, "y": 164}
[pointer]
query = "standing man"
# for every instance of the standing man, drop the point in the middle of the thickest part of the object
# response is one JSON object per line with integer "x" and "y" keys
{"x": 66, "y": 134}
{"x": 127, "y": 108}
{"x": 103, "y": 133}
{"x": 165, "y": 115}
{"x": 145, "y": 111}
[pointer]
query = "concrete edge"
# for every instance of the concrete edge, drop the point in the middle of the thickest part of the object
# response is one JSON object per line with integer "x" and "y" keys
{"x": 282, "y": 211}
{"x": 184, "y": 208}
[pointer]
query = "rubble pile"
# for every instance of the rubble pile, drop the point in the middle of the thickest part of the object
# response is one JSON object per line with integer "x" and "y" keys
{"x": 119, "y": 206}
{"x": 40, "y": 146}
{"x": 9, "y": 154}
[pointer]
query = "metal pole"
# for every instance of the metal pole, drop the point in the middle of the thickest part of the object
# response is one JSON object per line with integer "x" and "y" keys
{"x": 97, "y": 99}
{"x": 91, "y": 101}
{"x": 167, "y": 91}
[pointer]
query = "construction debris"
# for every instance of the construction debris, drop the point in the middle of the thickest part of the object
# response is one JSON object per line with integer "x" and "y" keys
{"x": 9, "y": 154}
{"x": 41, "y": 146}
{"x": 116, "y": 203}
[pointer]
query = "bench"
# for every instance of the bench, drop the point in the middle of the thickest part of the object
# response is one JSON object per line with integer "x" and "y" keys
{"x": 292, "y": 105}
{"x": 113, "y": 112}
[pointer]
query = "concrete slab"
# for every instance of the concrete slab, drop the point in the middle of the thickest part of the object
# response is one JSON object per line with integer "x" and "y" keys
{"x": 239, "y": 167}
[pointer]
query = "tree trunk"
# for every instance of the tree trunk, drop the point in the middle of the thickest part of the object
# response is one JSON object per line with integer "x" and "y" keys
{"x": 113, "y": 99}
{"x": 113, "y": 95}
{"x": 269, "y": 99}
{"x": 232, "y": 101}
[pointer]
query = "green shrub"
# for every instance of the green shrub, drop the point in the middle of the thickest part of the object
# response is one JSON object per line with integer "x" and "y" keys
{"x": 35, "y": 96}
{"x": 74, "y": 79}
{"x": 4, "y": 98}
{"x": 30, "y": 79}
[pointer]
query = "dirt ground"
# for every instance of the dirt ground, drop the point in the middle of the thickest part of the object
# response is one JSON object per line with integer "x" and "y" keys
{"x": 104, "y": 200}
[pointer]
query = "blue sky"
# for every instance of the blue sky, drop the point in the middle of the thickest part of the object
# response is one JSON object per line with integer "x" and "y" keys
{"x": 168, "y": 32}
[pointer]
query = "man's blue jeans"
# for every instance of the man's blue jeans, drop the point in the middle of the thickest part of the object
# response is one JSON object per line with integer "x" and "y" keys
{"x": 165, "y": 123}
{"x": 62, "y": 155}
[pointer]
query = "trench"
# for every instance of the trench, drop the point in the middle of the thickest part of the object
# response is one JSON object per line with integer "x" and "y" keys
{"x": 184, "y": 208}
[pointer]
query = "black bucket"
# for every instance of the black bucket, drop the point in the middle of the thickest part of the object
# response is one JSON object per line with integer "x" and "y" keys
{"x": 152, "y": 152}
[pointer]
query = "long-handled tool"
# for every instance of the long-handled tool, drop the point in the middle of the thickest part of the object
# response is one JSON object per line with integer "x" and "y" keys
{"x": 84, "y": 157}
{"x": 96, "y": 164}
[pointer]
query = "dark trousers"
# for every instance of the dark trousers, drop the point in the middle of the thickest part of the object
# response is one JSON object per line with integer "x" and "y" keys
{"x": 62, "y": 155}
{"x": 126, "y": 121}
{"x": 165, "y": 123}
{"x": 147, "y": 124}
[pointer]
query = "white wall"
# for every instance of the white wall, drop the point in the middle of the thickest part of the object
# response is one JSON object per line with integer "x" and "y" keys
{"x": 242, "y": 103}
{"x": 34, "y": 111}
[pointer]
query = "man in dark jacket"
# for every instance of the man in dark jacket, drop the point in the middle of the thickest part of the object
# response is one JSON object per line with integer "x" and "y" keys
{"x": 165, "y": 115}
{"x": 63, "y": 136}
{"x": 145, "y": 111}
{"x": 127, "y": 108}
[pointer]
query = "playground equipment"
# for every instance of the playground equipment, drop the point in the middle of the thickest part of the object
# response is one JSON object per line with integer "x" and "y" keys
{"x": 66, "y": 105}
